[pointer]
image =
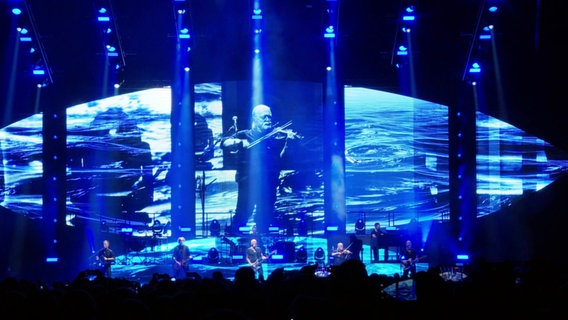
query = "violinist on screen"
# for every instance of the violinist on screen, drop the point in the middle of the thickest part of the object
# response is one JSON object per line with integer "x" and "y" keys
{"x": 259, "y": 151}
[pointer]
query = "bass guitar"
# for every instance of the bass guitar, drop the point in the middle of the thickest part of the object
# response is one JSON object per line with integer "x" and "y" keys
{"x": 257, "y": 264}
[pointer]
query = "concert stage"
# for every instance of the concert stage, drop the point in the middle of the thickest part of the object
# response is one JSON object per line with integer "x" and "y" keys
{"x": 141, "y": 266}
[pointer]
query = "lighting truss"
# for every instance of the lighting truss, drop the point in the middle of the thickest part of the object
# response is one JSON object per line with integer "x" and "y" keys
{"x": 30, "y": 39}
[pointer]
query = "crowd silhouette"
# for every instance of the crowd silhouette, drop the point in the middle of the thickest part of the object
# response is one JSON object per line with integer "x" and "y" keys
{"x": 348, "y": 291}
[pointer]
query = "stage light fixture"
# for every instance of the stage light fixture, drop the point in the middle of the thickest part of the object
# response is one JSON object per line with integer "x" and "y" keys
{"x": 319, "y": 255}
{"x": 475, "y": 68}
{"x": 329, "y": 32}
{"x": 213, "y": 256}
{"x": 103, "y": 15}
{"x": 184, "y": 33}
{"x": 215, "y": 228}
{"x": 244, "y": 229}
{"x": 408, "y": 14}
{"x": 402, "y": 51}
{"x": 256, "y": 14}
{"x": 332, "y": 228}
{"x": 462, "y": 257}
{"x": 302, "y": 255}
{"x": 184, "y": 229}
{"x": 277, "y": 257}
{"x": 111, "y": 51}
{"x": 360, "y": 226}
{"x": 486, "y": 33}
{"x": 16, "y": 11}
{"x": 24, "y": 35}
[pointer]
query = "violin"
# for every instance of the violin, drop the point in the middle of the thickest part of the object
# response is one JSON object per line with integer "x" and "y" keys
{"x": 278, "y": 133}
{"x": 287, "y": 134}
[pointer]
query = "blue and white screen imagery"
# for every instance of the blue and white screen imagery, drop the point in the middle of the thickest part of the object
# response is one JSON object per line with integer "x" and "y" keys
{"x": 396, "y": 159}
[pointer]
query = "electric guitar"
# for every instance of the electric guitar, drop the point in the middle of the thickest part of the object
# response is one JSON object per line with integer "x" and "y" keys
{"x": 409, "y": 263}
{"x": 258, "y": 262}
{"x": 177, "y": 265}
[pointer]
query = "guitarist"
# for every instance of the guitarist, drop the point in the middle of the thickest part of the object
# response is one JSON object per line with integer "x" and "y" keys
{"x": 255, "y": 257}
{"x": 181, "y": 256}
{"x": 105, "y": 257}
{"x": 408, "y": 260}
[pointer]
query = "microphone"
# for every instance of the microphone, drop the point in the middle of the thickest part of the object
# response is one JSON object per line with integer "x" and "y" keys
{"x": 235, "y": 123}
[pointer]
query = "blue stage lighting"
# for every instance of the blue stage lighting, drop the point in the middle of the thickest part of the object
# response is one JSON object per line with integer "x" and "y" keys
{"x": 257, "y": 14}
{"x": 111, "y": 51}
{"x": 51, "y": 259}
{"x": 38, "y": 72}
{"x": 277, "y": 257}
{"x": 332, "y": 228}
{"x": 244, "y": 229}
{"x": 329, "y": 32}
{"x": 103, "y": 15}
{"x": 184, "y": 33}
{"x": 408, "y": 14}
{"x": 475, "y": 68}
{"x": 402, "y": 51}
{"x": 126, "y": 230}
{"x": 462, "y": 257}
{"x": 17, "y": 11}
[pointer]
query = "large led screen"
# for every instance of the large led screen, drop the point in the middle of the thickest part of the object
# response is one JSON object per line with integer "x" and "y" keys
{"x": 396, "y": 159}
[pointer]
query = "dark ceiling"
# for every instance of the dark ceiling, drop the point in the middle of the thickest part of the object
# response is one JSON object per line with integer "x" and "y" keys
{"x": 530, "y": 38}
